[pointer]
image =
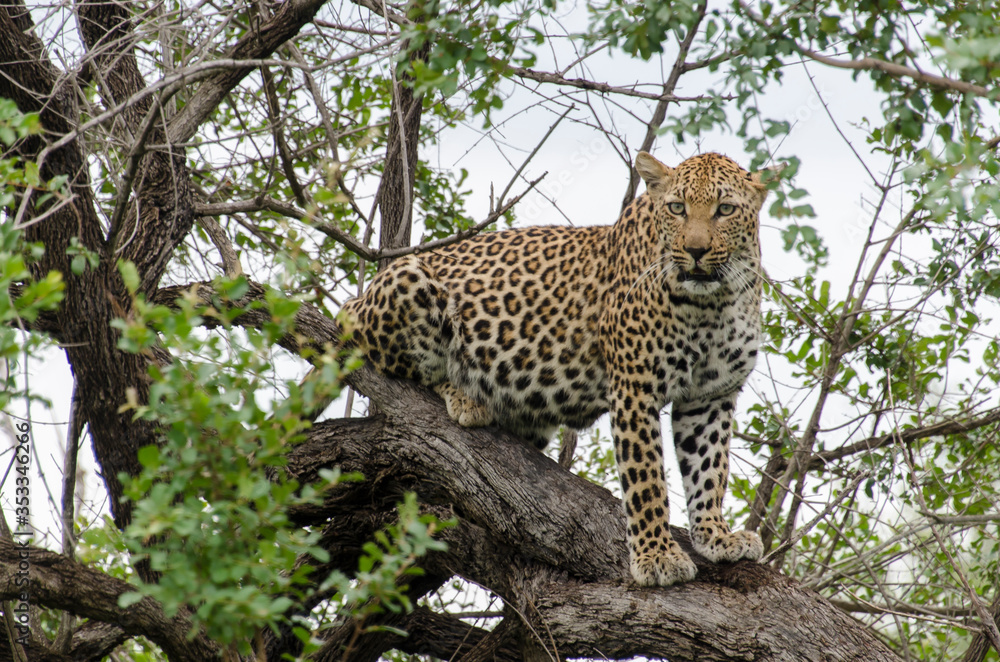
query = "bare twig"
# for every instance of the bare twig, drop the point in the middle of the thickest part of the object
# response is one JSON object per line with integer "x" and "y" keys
{"x": 898, "y": 71}
{"x": 660, "y": 112}
{"x": 990, "y": 629}
{"x": 778, "y": 553}
{"x": 331, "y": 134}
{"x": 124, "y": 192}
{"x": 262, "y": 203}
{"x": 230, "y": 260}
{"x": 74, "y": 430}
{"x": 531, "y": 156}
{"x": 874, "y": 64}
{"x": 822, "y": 459}
{"x": 345, "y": 239}
{"x": 277, "y": 131}
{"x": 839, "y": 346}
{"x": 584, "y": 84}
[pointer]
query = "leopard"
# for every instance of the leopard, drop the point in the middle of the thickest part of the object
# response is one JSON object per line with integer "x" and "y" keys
{"x": 534, "y": 328}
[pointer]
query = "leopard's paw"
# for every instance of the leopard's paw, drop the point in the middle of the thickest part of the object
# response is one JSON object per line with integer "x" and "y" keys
{"x": 462, "y": 409}
{"x": 474, "y": 415}
{"x": 662, "y": 567}
{"x": 730, "y": 546}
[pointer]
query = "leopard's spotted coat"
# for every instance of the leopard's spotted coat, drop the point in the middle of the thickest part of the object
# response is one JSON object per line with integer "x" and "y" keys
{"x": 537, "y": 327}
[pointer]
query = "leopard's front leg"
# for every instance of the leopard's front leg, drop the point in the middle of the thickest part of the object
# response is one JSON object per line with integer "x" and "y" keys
{"x": 701, "y": 438}
{"x": 655, "y": 558}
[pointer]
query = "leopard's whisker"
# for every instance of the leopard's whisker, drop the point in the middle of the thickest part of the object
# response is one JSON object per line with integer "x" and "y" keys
{"x": 741, "y": 270}
{"x": 646, "y": 273}
{"x": 666, "y": 272}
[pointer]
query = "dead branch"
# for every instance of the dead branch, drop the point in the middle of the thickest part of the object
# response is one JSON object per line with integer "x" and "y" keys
{"x": 348, "y": 240}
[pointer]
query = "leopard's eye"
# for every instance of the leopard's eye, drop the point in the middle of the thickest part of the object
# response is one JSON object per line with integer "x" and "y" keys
{"x": 676, "y": 208}
{"x": 725, "y": 209}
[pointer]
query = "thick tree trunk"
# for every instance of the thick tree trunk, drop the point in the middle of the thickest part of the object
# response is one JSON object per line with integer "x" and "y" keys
{"x": 92, "y": 300}
{"x": 97, "y": 296}
{"x": 552, "y": 545}
{"x": 548, "y": 542}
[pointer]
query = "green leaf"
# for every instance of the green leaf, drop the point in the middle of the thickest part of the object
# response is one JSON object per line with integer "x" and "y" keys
{"x": 130, "y": 275}
{"x": 126, "y": 600}
{"x": 149, "y": 457}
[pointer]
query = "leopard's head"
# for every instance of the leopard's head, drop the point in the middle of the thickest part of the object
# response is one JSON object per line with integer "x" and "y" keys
{"x": 706, "y": 212}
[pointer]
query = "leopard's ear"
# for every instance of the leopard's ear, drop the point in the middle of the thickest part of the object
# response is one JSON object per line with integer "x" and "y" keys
{"x": 656, "y": 175}
{"x": 762, "y": 178}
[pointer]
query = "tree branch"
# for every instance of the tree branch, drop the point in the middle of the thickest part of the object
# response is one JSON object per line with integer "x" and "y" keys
{"x": 366, "y": 639}
{"x": 227, "y": 253}
{"x": 348, "y": 240}
{"x": 284, "y": 25}
{"x": 874, "y": 64}
{"x": 59, "y": 583}
{"x": 519, "y": 513}
{"x": 980, "y": 645}
{"x": 899, "y": 71}
{"x": 821, "y": 461}
{"x": 660, "y": 112}
{"x": 160, "y": 216}
{"x": 584, "y": 84}
{"x": 551, "y": 543}
{"x": 277, "y": 124}
{"x": 91, "y": 642}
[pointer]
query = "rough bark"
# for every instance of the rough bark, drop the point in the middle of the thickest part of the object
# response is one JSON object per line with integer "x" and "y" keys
{"x": 97, "y": 296}
{"x": 92, "y": 640}
{"x": 60, "y": 583}
{"x": 156, "y": 220}
{"x": 163, "y": 198}
{"x": 361, "y": 640}
{"x": 980, "y": 645}
{"x": 396, "y": 188}
{"x": 550, "y": 543}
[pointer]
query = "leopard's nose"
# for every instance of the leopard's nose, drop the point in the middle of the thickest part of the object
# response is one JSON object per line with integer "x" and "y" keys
{"x": 696, "y": 253}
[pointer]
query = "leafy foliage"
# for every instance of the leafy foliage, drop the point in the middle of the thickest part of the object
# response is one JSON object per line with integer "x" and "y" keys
{"x": 35, "y": 296}
{"x": 211, "y": 507}
{"x": 211, "y": 513}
